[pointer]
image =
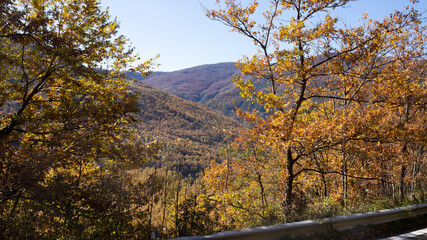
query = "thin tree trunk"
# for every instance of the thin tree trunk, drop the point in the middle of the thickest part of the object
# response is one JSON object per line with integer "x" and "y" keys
{"x": 224, "y": 189}
{"x": 261, "y": 186}
{"x": 164, "y": 225}
{"x": 322, "y": 176}
{"x": 263, "y": 198}
{"x": 344, "y": 183}
{"x": 289, "y": 179}
{"x": 177, "y": 198}
{"x": 402, "y": 183}
{"x": 403, "y": 172}
{"x": 344, "y": 172}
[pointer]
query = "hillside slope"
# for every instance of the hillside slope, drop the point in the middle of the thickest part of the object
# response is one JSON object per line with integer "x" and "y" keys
{"x": 194, "y": 131}
{"x": 210, "y": 85}
{"x": 197, "y": 84}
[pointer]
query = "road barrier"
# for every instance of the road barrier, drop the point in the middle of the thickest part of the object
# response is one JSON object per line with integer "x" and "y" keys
{"x": 303, "y": 228}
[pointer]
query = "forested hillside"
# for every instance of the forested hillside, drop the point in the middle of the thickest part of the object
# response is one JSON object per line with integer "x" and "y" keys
{"x": 209, "y": 84}
{"x": 198, "y": 84}
{"x": 195, "y": 131}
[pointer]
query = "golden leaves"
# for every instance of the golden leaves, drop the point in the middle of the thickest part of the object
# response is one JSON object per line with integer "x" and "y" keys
{"x": 65, "y": 123}
{"x": 342, "y": 103}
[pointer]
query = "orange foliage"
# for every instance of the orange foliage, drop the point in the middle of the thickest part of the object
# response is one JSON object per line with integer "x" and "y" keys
{"x": 346, "y": 106}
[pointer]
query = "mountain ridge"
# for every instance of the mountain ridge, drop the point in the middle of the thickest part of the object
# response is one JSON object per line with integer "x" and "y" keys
{"x": 209, "y": 84}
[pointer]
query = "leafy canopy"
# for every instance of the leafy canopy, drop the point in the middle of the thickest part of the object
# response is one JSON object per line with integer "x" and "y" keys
{"x": 346, "y": 105}
{"x": 65, "y": 113}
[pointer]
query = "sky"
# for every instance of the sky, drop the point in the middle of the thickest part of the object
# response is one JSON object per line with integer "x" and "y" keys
{"x": 180, "y": 32}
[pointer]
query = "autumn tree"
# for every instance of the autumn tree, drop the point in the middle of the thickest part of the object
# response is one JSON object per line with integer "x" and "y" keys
{"x": 65, "y": 111}
{"x": 342, "y": 101}
{"x": 244, "y": 186}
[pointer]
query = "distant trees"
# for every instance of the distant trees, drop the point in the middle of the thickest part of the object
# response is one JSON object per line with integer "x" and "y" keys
{"x": 346, "y": 108}
{"x": 65, "y": 144}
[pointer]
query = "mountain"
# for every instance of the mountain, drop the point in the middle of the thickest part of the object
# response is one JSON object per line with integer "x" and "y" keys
{"x": 210, "y": 85}
{"x": 197, "y": 84}
{"x": 194, "y": 131}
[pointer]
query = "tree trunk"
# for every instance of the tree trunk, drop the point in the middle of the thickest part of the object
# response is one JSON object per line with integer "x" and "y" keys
{"x": 403, "y": 172}
{"x": 224, "y": 189}
{"x": 261, "y": 186}
{"x": 178, "y": 186}
{"x": 323, "y": 178}
{"x": 289, "y": 179}
{"x": 344, "y": 183}
{"x": 262, "y": 191}
{"x": 402, "y": 183}
{"x": 164, "y": 224}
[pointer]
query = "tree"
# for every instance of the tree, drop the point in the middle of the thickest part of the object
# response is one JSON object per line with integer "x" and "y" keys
{"x": 337, "y": 95}
{"x": 65, "y": 140}
{"x": 243, "y": 185}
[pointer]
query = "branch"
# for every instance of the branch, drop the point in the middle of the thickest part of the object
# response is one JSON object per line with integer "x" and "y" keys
{"x": 336, "y": 172}
{"x": 239, "y": 207}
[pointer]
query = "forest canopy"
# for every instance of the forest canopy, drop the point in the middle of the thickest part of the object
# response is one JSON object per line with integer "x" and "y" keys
{"x": 65, "y": 141}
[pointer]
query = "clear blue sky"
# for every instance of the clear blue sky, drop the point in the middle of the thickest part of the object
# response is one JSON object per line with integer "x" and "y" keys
{"x": 184, "y": 37}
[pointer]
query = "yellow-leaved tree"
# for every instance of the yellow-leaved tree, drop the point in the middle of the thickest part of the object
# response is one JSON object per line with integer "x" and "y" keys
{"x": 65, "y": 141}
{"x": 345, "y": 105}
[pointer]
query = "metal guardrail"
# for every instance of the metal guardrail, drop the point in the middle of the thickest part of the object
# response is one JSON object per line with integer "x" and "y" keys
{"x": 315, "y": 226}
